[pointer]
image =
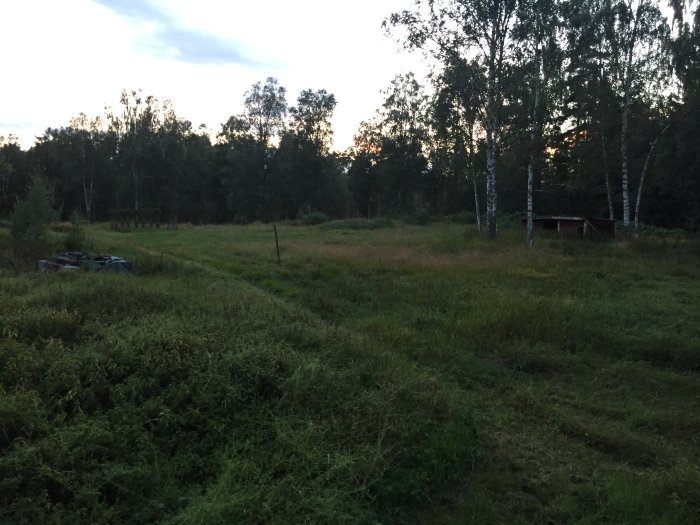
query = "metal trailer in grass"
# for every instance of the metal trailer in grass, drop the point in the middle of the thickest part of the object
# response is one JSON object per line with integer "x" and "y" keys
{"x": 74, "y": 261}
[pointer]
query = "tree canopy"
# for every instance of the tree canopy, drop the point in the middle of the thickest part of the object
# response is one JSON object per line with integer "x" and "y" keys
{"x": 553, "y": 106}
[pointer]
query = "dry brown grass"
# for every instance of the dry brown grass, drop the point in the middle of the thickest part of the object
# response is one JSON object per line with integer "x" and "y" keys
{"x": 420, "y": 257}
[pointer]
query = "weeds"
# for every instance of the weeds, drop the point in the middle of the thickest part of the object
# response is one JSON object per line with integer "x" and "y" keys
{"x": 358, "y": 224}
{"x": 379, "y": 375}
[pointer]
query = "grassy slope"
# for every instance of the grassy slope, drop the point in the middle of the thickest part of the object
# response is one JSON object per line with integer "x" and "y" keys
{"x": 579, "y": 363}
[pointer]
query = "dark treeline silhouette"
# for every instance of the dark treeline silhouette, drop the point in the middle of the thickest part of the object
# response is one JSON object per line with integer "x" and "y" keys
{"x": 591, "y": 107}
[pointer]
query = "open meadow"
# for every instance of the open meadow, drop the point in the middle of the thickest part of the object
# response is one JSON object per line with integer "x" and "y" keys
{"x": 380, "y": 374}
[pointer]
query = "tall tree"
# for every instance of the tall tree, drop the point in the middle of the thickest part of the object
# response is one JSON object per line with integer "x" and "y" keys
{"x": 15, "y": 173}
{"x": 458, "y": 115}
{"x": 6, "y": 171}
{"x": 362, "y": 171}
{"x": 266, "y": 108}
{"x": 591, "y": 102}
{"x": 133, "y": 129}
{"x": 535, "y": 40}
{"x": 402, "y": 125}
{"x": 462, "y": 27}
{"x": 171, "y": 138}
{"x": 636, "y": 39}
{"x": 311, "y": 118}
{"x": 246, "y": 140}
{"x": 306, "y": 173}
{"x": 88, "y": 136}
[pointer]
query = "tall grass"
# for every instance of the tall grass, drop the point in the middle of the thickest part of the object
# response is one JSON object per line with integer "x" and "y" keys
{"x": 389, "y": 375}
{"x": 196, "y": 399}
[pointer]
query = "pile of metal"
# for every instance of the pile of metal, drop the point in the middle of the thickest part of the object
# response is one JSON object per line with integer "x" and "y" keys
{"x": 74, "y": 261}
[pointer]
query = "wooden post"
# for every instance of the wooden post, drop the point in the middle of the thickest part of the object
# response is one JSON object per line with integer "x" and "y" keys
{"x": 277, "y": 244}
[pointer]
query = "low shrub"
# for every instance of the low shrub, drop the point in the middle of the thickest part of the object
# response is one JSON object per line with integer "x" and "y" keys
{"x": 314, "y": 218}
{"x": 358, "y": 224}
{"x": 163, "y": 399}
{"x": 31, "y": 323}
{"x": 420, "y": 217}
{"x": 464, "y": 217}
{"x": 61, "y": 227}
{"x": 152, "y": 264}
{"x": 30, "y": 221}
{"x": 76, "y": 238}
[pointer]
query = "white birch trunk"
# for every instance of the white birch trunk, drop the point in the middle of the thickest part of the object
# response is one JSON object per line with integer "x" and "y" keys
{"x": 641, "y": 185}
{"x": 534, "y": 127}
{"x": 87, "y": 196}
{"x": 472, "y": 168}
{"x": 136, "y": 188}
{"x": 625, "y": 167}
{"x": 491, "y": 196}
{"x": 608, "y": 187}
{"x": 627, "y": 81}
{"x": 477, "y": 210}
{"x": 530, "y": 182}
{"x": 491, "y": 146}
{"x": 642, "y": 178}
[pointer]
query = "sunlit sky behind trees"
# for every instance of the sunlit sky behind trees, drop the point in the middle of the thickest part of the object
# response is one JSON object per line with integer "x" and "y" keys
{"x": 62, "y": 58}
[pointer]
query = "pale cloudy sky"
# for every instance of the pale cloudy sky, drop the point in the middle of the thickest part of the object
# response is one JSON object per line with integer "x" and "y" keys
{"x": 61, "y": 57}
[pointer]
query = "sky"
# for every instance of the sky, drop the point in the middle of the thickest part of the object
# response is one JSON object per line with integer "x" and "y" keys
{"x": 60, "y": 58}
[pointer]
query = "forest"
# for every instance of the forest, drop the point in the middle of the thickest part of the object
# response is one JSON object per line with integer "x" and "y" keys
{"x": 562, "y": 107}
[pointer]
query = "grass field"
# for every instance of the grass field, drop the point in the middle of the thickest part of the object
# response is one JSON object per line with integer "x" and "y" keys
{"x": 399, "y": 374}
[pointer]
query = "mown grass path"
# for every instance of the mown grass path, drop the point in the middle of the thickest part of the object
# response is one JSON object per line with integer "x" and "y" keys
{"x": 580, "y": 360}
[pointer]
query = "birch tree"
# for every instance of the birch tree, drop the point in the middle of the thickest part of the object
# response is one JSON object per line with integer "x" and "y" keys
{"x": 459, "y": 105}
{"x": 466, "y": 27}
{"x": 635, "y": 38}
{"x": 87, "y": 134}
{"x": 649, "y": 159}
{"x": 591, "y": 97}
{"x": 6, "y": 170}
{"x": 131, "y": 129}
{"x": 171, "y": 136}
{"x": 266, "y": 108}
{"x": 535, "y": 40}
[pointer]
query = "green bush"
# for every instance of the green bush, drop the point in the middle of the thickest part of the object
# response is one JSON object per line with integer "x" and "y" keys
{"x": 358, "y": 224}
{"x": 151, "y": 264}
{"x": 313, "y": 218}
{"x": 76, "y": 239}
{"x": 464, "y": 217}
{"x": 42, "y": 322}
{"x": 193, "y": 399}
{"x": 420, "y": 217}
{"x": 30, "y": 221}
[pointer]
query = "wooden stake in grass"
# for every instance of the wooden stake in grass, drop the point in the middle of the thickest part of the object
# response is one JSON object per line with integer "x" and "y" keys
{"x": 277, "y": 244}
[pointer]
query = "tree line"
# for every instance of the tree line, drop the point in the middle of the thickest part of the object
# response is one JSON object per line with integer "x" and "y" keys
{"x": 576, "y": 107}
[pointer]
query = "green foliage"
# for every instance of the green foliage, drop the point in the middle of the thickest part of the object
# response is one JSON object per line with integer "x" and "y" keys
{"x": 152, "y": 264}
{"x": 125, "y": 219}
{"x": 42, "y": 323}
{"x": 465, "y": 217}
{"x": 389, "y": 375}
{"x": 420, "y": 217}
{"x": 358, "y": 224}
{"x": 76, "y": 239}
{"x": 313, "y": 218}
{"x": 188, "y": 397}
{"x": 30, "y": 221}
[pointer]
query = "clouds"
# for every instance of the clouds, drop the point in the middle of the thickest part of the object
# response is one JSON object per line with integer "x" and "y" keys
{"x": 165, "y": 38}
{"x": 138, "y": 9}
{"x": 62, "y": 58}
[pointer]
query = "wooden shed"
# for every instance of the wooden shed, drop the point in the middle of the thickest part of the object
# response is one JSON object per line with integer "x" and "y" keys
{"x": 574, "y": 226}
